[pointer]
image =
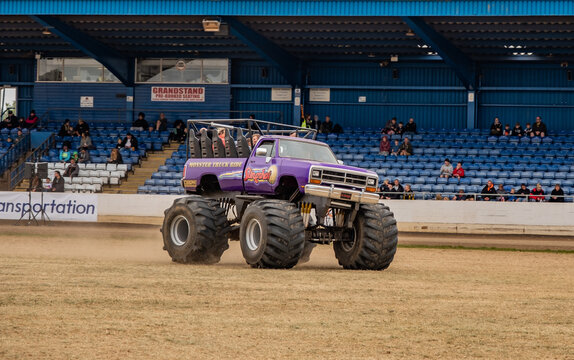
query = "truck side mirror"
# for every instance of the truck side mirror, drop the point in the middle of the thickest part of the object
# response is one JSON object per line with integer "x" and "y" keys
{"x": 261, "y": 152}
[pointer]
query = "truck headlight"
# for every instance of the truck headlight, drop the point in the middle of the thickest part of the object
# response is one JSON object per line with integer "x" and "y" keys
{"x": 371, "y": 182}
{"x": 316, "y": 173}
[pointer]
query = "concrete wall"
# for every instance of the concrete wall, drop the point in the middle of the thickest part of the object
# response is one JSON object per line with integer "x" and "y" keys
{"x": 418, "y": 216}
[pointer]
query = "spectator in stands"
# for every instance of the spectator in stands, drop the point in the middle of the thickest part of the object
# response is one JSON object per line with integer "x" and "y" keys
{"x": 396, "y": 190}
{"x": 517, "y": 130}
{"x": 406, "y": 148}
{"x": 86, "y": 141}
{"x": 461, "y": 196}
{"x": 385, "y": 146}
{"x": 21, "y": 124}
{"x": 65, "y": 154}
{"x": 502, "y": 192}
{"x": 32, "y": 120}
{"x": 161, "y": 123}
{"x": 337, "y": 129}
{"x": 488, "y": 192}
{"x": 140, "y": 123}
{"x": 537, "y": 194}
{"x": 496, "y": 128}
{"x": 408, "y": 194}
{"x": 557, "y": 194}
{"x": 528, "y": 130}
{"x": 539, "y": 128}
{"x": 391, "y": 127}
{"x": 386, "y": 189}
{"x": 57, "y": 183}
{"x": 327, "y": 125}
{"x": 395, "y": 147}
{"x": 400, "y": 129}
{"x": 507, "y": 130}
{"x": 47, "y": 184}
{"x": 512, "y": 196}
{"x": 130, "y": 142}
{"x": 115, "y": 157}
{"x": 522, "y": 193}
{"x": 178, "y": 132}
{"x": 10, "y": 122}
{"x": 458, "y": 172}
{"x": 119, "y": 144}
{"x": 411, "y": 127}
{"x": 72, "y": 170}
{"x": 305, "y": 119}
{"x": 446, "y": 169}
{"x": 35, "y": 184}
{"x": 84, "y": 156}
{"x": 312, "y": 122}
{"x": 82, "y": 127}
{"x": 66, "y": 129}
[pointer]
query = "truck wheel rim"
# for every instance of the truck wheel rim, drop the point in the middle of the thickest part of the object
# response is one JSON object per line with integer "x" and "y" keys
{"x": 179, "y": 230}
{"x": 253, "y": 235}
{"x": 348, "y": 245}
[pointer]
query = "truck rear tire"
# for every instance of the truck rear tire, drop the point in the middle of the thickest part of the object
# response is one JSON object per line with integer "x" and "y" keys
{"x": 375, "y": 240}
{"x": 195, "y": 230}
{"x": 272, "y": 234}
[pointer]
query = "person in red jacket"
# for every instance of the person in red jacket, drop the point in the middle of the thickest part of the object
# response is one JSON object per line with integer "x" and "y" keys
{"x": 537, "y": 194}
{"x": 458, "y": 172}
{"x": 385, "y": 146}
{"x": 32, "y": 120}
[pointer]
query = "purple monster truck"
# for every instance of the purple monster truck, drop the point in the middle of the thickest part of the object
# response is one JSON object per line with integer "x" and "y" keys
{"x": 281, "y": 196}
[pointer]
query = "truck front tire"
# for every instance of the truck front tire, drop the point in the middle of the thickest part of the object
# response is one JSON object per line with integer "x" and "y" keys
{"x": 272, "y": 234}
{"x": 195, "y": 230}
{"x": 374, "y": 242}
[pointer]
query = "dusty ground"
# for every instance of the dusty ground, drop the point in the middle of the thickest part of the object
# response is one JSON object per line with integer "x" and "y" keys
{"x": 95, "y": 292}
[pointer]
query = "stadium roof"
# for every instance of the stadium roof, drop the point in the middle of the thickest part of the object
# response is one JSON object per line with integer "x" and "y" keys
{"x": 290, "y": 33}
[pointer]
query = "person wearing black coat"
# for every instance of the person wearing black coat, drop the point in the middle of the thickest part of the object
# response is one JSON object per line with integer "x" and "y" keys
{"x": 496, "y": 128}
{"x": 58, "y": 182}
{"x": 539, "y": 128}
{"x": 523, "y": 193}
{"x": 488, "y": 190}
{"x": 557, "y": 194}
{"x": 130, "y": 142}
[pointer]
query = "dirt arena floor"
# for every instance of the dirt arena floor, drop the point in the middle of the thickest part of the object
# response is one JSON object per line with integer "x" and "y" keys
{"x": 111, "y": 292}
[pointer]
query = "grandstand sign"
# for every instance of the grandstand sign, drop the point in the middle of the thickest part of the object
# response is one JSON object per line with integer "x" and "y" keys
{"x": 179, "y": 94}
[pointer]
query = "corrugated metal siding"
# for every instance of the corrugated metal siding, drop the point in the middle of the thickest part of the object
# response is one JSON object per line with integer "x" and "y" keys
{"x": 288, "y": 7}
{"x": 216, "y": 105}
{"x": 522, "y": 92}
{"x": 61, "y": 101}
{"x": 19, "y": 73}
{"x": 255, "y": 72}
{"x": 248, "y": 101}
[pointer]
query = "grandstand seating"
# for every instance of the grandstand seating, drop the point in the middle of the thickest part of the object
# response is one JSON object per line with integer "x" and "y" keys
{"x": 92, "y": 177}
{"x": 507, "y": 161}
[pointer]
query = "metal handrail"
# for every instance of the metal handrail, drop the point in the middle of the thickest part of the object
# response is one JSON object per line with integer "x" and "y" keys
{"x": 17, "y": 174}
{"x": 14, "y": 153}
{"x": 432, "y": 195}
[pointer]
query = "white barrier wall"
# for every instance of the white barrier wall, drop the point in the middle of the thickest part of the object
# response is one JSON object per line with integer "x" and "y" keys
{"x": 406, "y": 211}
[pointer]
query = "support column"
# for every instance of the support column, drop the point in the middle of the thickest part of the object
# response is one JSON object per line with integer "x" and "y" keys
{"x": 130, "y": 104}
{"x": 297, "y": 106}
{"x": 471, "y": 106}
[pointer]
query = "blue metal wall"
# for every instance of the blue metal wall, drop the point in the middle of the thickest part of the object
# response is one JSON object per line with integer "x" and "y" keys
{"x": 289, "y": 7}
{"x": 520, "y": 92}
{"x": 62, "y": 100}
{"x": 430, "y": 93}
{"x": 21, "y": 74}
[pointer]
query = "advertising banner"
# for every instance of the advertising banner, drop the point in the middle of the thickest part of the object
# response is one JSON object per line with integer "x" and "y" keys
{"x": 180, "y": 94}
{"x": 57, "y": 206}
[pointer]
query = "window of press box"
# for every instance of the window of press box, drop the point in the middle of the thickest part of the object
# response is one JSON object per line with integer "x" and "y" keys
{"x": 73, "y": 70}
{"x": 193, "y": 71}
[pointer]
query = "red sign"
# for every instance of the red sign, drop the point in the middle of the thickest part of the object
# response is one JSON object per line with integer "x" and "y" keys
{"x": 183, "y": 94}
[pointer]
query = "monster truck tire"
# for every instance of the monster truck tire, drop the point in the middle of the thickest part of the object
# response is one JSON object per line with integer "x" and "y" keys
{"x": 375, "y": 240}
{"x": 272, "y": 234}
{"x": 195, "y": 230}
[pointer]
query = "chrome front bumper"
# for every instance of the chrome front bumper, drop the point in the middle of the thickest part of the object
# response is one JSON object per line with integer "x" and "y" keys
{"x": 332, "y": 192}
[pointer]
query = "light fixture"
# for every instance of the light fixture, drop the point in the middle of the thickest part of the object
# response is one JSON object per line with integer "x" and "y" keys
{"x": 46, "y": 31}
{"x": 211, "y": 25}
{"x": 410, "y": 33}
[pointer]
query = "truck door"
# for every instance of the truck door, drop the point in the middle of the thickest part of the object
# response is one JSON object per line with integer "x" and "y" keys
{"x": 261, "y": 171}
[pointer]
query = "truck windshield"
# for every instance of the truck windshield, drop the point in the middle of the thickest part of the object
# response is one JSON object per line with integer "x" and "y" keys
{"x": 308, "y": 151}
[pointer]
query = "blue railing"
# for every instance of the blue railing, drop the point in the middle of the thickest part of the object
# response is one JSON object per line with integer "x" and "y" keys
{"x": 14, "y": 152}
{"x": 17, "y": 174}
